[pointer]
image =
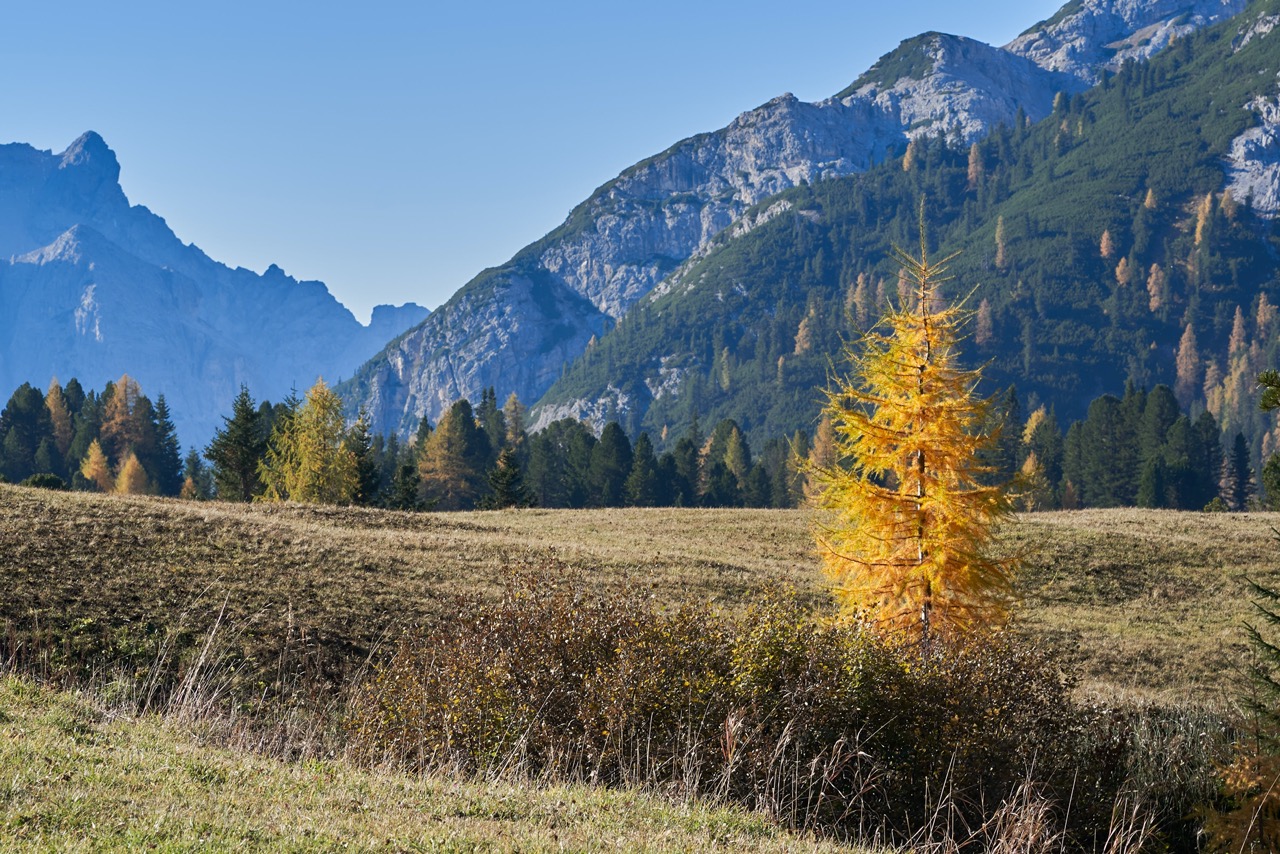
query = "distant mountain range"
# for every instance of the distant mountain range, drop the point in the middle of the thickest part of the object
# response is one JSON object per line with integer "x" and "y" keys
{"x": 92, "y": 287}
{"x": 522, "y": 326}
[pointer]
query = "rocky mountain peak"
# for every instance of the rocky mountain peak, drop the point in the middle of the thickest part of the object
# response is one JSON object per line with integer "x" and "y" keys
{"x": 1086, "y": 37}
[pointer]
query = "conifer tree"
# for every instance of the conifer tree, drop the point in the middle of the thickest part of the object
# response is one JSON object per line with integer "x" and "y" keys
{"x": 643, "y": 488}
{"x": 165, "y": 454}
{"x": 453, "y": 461}
{"x": 368, "y": 473}
{"x": 1239, "y": 474}
{"x": 121, "y": 429}
{"x": 96, "y": 469}
{"x": 905, "y": 520}
{"x": 59, "y": 417}
{"x": 197, "y": 479}
{"x": 506, "y": 484}
{"x": 307, "y": 456}
{"x": 610, "y": 464}
{"x": 237, "y": 449}
{"x": 132, "y": 479}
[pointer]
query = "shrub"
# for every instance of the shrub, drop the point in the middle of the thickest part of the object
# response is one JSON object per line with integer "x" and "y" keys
{"x": 44, "y": 481}
{"x": 817, "y": 721}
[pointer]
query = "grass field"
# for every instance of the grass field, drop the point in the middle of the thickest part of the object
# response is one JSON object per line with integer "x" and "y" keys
{"x": 79, "y": 780}
{"x": 1147, "y": 600}
{"x": 1147, "y": 603}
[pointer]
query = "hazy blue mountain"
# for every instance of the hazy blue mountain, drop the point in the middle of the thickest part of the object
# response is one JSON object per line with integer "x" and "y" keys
{"x": 93, "y": 287}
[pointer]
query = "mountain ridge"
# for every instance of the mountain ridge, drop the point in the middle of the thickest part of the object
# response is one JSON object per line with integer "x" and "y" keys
{"x": 640, "y": 227}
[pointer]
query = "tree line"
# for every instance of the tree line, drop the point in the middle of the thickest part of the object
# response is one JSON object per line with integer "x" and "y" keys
{"x": 1137, "y": 449}
{"x": 484, "y": 457}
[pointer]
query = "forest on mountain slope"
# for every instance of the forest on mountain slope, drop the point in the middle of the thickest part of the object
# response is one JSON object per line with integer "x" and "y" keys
{"x": 1097, "y": 248}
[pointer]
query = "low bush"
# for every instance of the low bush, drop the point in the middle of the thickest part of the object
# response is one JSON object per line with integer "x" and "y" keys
{"x": 44, "y": 481}
{"x": 819, "y": 722}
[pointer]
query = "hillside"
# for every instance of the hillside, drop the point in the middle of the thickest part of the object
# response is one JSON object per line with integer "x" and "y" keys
{"x": 748, "y": 329}
{"x": 517, "y": 325}
{"x": 1148, "y": 600}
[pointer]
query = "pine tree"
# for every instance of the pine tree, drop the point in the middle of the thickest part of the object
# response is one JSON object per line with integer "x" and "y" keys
{"x": 166, "y": 453}
{"x": 368, "y": 472}
{"x": 642, "y": 487}
{"x": 506, "y": 484}
{"x": 611, "y": 460}
{"x": 197, "y": 479}
{"x": 905, "y": 519}
{"x": 1239, "y": 474}
{"x": 237, "y": 449}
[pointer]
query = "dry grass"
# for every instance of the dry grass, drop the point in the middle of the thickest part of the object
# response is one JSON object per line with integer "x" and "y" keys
{"x": 1152, "y": 600}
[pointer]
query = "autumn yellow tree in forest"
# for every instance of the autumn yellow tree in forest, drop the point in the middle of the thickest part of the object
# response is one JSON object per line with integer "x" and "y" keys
{"x": 904, "y": 518}
{"x": 307, "y": 459}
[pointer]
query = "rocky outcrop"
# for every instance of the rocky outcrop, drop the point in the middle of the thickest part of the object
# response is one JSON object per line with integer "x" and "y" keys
{"x": 92, "y": 287}
{"x": 1087, "y": 37}
{"x": 637, "y": 229}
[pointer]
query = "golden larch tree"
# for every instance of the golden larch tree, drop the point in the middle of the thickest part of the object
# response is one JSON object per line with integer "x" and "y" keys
{"x": 95, "y": 467}
{"x": 307, "y": 459}
{"x": 132, "y": 479}
{"x": 59, "y": 417}
{"x": 904, "y": 518}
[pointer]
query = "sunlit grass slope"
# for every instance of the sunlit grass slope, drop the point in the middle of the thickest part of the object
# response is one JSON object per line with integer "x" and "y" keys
{"x": 1148, "y": 599}
{"x": 76, "y": 779}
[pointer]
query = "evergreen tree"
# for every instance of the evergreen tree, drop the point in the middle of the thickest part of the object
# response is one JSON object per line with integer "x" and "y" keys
{"x": 506, "y": 483}
{"x": 368, "y": 471}
{"x": 611, "y": 460}
{"x": 197, "y": 479}
{"x": 643, "y": 488}
{"x": 1210, "y": 459}
{"x": 237, "y": 449}
{"x": 165, "y": 455}
{"x": 906, "y": 518}
{"x": 687, "y": 465}
{"x": 493, "y": 422}
{"x": 24, "y": 423}
{"x": 1239, "y": 474}
{"x": 559, "y": 457}
{"x": 1270, "y": 478}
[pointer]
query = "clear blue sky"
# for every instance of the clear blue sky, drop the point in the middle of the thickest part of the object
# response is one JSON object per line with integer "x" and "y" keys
{"x": 393, "y": 150}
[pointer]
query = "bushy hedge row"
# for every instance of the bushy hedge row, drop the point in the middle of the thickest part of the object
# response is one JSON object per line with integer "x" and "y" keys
{"x": 822, "y": 723}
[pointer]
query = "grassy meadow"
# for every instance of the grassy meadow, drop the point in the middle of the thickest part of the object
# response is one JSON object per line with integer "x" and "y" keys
{"x": 1147, "y": 603}
{"x": 1149, "y": 600}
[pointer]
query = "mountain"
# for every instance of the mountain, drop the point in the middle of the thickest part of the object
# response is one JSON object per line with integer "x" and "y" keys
{"x": 92, "y": 287}
{"x": 517, "y": 326}
{"x": 1131, "y": 236}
